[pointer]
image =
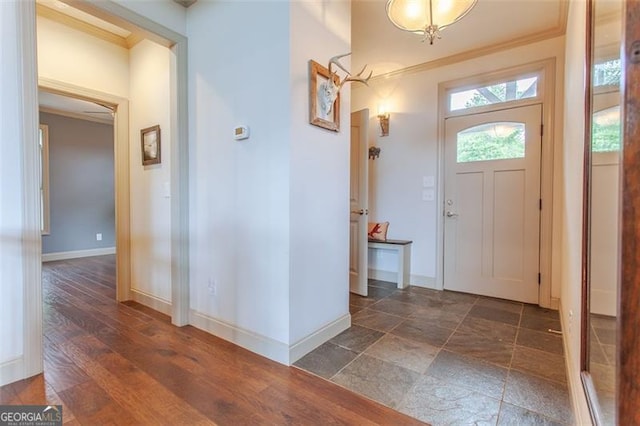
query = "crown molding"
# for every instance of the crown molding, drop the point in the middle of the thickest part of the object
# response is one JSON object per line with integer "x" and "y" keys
{"x": 556, "y": 31}
{"x": 76, "y": 24}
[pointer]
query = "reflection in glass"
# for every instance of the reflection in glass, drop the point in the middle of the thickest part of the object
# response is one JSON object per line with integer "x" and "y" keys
{"x": 604, "y": 202}
{"x": 605, "y": 133}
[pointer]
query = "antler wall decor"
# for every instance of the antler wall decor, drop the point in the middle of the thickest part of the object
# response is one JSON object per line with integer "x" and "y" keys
{"x": 332, "y": 89}
{"x": 324, "y": 99}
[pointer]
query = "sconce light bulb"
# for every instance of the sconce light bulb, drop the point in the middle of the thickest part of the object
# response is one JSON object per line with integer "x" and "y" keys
{"x": 382, "y": 111}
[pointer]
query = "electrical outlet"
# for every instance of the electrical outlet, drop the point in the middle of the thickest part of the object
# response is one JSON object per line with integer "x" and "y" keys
{"x": 570, "y": 321}
{"x": 213, "y": 287}
{"x": 99, "y": 236}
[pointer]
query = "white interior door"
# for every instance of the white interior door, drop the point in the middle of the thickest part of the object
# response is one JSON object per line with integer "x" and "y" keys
{"x": 492, "y": 203}
{"x": 358, "y": 203}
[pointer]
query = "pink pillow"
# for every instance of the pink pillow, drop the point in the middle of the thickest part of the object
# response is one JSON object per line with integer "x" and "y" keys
{"x": 378, "y": 231}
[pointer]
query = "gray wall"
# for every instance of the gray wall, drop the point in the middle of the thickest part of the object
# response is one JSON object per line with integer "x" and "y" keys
{"x": 81, "y": 184}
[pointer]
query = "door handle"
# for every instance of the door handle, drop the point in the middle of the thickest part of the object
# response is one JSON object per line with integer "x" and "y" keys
{"x": 360, "y": 212}
{"x": 451, "y": 214}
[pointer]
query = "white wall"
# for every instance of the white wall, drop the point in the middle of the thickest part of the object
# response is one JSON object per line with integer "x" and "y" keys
{"x": 71, "y": 56}
{"x": 11, "y": 190}
{"x": 149, "y": 104}
{"x": 142, "y": 75}
{"x": 239, "y": 190}
{"x": 20, "y": 290}
{"x": 410, "y": 150}
{"x": 269, "y": 215}
{"x": 165, "y": 12}
{"x": 570, "y": 227}
{"x": 319, "y": 195}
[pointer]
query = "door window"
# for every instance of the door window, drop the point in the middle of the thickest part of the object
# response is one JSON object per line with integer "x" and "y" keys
{"x": 491, "y": 141}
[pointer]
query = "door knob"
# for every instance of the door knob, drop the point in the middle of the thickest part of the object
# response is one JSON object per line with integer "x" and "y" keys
{"x": 451, "y": 214}
{"x": 360, "y": 212}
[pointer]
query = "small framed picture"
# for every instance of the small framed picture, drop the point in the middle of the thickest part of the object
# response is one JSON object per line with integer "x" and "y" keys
{"x": 150, "y": 145}
{"x": 324, "y": 99}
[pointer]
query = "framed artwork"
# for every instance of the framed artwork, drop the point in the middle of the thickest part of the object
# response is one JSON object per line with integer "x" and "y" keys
{"x": 150, "y": 138}
{"x": 324, "y": 100}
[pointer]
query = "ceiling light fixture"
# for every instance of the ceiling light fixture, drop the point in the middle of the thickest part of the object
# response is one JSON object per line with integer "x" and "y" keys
{"x": 427, "y": 17}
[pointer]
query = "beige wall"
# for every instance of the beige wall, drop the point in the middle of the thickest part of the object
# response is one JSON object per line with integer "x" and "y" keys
{"x": 71, "y": 56}
{"x": 411, "y": 150}
{"x": 570, "y": 228}
{"x": 149, "y": 96}
{"x": 141, "y": 75}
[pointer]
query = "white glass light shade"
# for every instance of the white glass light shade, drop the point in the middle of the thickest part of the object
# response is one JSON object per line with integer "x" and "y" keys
{"x": 427, "y": 17}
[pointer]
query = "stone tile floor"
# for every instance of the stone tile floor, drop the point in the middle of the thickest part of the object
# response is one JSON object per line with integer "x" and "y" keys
{"x": 450, "y": 358}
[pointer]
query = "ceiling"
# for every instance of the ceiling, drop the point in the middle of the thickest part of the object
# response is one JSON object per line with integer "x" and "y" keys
{"x": 51, "y": 102}
{"x": 490, "y": 25}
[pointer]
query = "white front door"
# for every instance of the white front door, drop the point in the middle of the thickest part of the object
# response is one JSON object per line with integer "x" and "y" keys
{"x": 492, "y": 203}
{"x": 358, "y": 203}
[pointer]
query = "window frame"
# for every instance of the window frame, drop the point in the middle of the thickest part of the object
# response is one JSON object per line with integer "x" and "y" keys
{"x": 490, "y": 80}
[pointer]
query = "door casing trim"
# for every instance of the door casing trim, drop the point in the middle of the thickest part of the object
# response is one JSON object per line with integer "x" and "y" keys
{"x": 546, "y": 69}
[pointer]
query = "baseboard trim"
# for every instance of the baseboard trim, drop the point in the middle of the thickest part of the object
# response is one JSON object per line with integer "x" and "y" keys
{"x": 312, "y": 341}
{"x": 64, "y": 255}
{"x": 16, "y": 369}
{"x": 151, "y": 301}
{"x": 424, "y": 281}
{"x": 414, "y": 280}
{"x": 269, "y": 348}
{"x": 265, "y": 346}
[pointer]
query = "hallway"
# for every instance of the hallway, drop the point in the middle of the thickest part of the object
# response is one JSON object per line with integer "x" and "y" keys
{"x": 450, "y": 358}
{"x": 124, "y": 364}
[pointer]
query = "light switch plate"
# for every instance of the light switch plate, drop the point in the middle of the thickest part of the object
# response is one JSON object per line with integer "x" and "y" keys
{"x": 428, "y": 195}
{"x": 428, "y": 181}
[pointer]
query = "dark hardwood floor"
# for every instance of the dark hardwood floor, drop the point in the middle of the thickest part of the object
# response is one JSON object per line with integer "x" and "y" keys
{"x": 122, "y": 363}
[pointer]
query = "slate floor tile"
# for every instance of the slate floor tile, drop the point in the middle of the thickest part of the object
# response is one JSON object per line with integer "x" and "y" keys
{"x": 356, "y": 338}
{"x": 409, "y": 354}
{"x": 470, "y": 343}
{"x": 493, "y": 314}
{"x": 414, "y": 329}
{"x": 511, "y": 415}
{"x": 500, "y": 304}
{"x": 548, "y": 342}
{"x": 544, "y": 364}
{"x": 379, "y": 380}
{"x": 451, "y": 358}
{"x": 538, "y": 395}
{"x": 376, "y": 320}
{"x": 326, "y": 360}
{"x": 438, "y": 317}
{"x": 394, "y": 307}
{"x": 468, "y": 372}
{"x": 438, "y": 402}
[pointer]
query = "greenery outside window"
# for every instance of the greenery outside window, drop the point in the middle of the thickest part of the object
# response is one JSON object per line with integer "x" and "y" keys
{"x": 491, "y": 141}
{"x": 606, "y": 130}
{"x": 504, "y": 91}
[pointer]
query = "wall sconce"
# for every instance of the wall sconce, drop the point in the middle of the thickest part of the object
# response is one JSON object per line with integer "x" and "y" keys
{"x": 374, "y": 152}
{"x": 383, "y": 116}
